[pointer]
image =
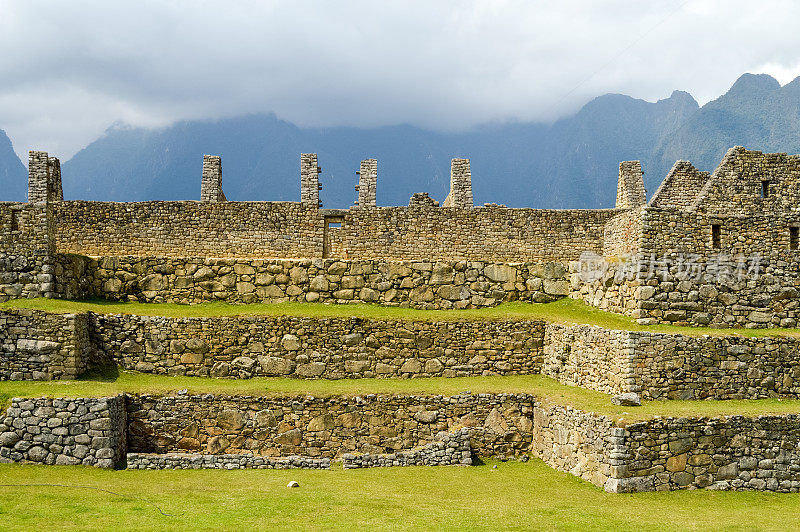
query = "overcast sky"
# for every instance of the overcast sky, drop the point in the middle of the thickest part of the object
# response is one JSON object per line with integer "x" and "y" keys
{"x": 70, "y": 69}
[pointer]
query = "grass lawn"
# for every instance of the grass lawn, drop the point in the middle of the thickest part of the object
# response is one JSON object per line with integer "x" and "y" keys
{"x": 562, "y": 311}
{"x": 543, "y": 387}
{"x": 515, "y": 496}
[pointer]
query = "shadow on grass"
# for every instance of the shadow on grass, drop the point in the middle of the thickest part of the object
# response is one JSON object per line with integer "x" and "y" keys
{"x": 105, "y": 373}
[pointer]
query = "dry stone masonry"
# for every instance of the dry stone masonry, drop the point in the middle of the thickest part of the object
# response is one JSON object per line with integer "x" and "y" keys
{"x": 448, "y": 449}
{"x": 211, "y": 187}
{"x": 367, "y": 183}
{"x": 65, "y": 432}
{"x": 222, "y": 461}
{"x": 716, "y": 249}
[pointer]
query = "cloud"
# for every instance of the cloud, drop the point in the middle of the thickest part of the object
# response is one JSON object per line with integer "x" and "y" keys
{"x": 70, "y": 69}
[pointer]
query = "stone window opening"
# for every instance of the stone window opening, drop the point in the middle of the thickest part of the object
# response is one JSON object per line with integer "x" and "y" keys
{"x": 15, "y": 215}
{"x": 716, "y": 236}
{"x": 794, "y": 238}
{"x": 764, "y": 189}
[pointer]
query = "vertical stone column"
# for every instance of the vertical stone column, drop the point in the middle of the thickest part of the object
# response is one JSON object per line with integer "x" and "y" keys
{"x": 367, "y": 183}
{"x": 211, "y": 185}
{"x": 54, "y": 167}
{"x": 460, "y": 185}
{"x": 630, "y": 186}
{"x": 39, "y": 187}
{"x": 309, "y": 180}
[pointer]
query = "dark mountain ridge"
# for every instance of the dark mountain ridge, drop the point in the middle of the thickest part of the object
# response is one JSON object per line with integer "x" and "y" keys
{"x": 571, "y": 163}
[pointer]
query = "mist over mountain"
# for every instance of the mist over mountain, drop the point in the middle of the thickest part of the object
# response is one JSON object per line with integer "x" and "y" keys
{"x": 569, "y": 164}
{"x": 13, "y": 174}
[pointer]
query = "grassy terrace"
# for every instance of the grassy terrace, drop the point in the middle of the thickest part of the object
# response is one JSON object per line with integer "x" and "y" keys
{"x": 515, "y": 496}
{"x": 562, "y": 311}
{"x": 542, "y": 387}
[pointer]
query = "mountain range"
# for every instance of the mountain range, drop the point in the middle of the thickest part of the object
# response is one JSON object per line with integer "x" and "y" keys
{"x": 571, "y": 163}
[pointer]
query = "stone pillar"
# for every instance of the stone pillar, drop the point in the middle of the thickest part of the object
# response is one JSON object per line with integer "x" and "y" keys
{"x": 309, "y": 180}
{"x": 367, "y": 183}
{"x": 54, "y": 167}
{"x": 211, "y": 185}
{"x": 630, "y": 186}
{"x": 39, "y": 184}
{"x": 460, "y": 185}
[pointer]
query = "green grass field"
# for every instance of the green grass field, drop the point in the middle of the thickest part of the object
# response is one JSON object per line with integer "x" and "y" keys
{"x": 542, "y": 387}
{"x": 562, "y": 311}
{"x": 515, "y": 496}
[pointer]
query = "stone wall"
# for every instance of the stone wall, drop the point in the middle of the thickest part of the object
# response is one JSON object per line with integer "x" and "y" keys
{"x": 36, "y": 345}
{"x": 622, "y": 234}
{"x": 590, "y": 357}
{"x": 750, "y": 277}
{"x": 491, "y": 233}
{"x": 672, "y": 366}
{"x": 448, "y": 449}
{"x": 328, "y": 427}
{"x": 576, "y": 442}
{"x": 329, "y": 348}
{"x": 65, "y": 431}
{"x": 729, "y": 453}
{"x": 222, "y": 461}
{"x": 188, "y": 228}
{"x": 737, "y": 453}
{"x": 293, "y": 230}
{"x": 422, "y": 284}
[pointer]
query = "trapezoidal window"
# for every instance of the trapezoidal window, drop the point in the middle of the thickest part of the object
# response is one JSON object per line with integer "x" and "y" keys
{"x": 764, "y": 189}
{"x": 794, "y": 238}
{"x": 716, "y": 236}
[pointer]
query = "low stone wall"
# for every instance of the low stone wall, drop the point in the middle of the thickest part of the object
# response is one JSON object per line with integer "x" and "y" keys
{"x": 501, "y": 424}
{"x": 576, "y": 442}
{"x": 65, "y": 431}
{"x": 330, "y": 348}
{"x": 37, "y": 345}
{"x": 232, "y": 432}
{"x": 422, "y": 284}
{"x": 672, "y": 366}
{"x": 222, "y": 461}
{"x": 590, "y": 357}
{"x": 736, "y": 453}
{"x": 448, "y": 449}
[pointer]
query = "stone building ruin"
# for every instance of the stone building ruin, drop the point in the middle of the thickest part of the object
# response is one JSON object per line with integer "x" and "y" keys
{"x": 717, "y": 249}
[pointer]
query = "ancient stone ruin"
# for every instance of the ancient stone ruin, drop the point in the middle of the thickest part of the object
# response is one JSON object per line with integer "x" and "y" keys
{"x": 718, "y": 249}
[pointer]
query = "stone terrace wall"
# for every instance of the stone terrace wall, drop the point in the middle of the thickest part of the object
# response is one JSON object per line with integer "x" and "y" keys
{"x": 290, "y": 230}
{"x": 222, "y": 461}
{"x": 672, "y": 366}
{"x": 448, "y": 449}
{"x": 423, "y": 284}
{"x": 36, "y": 345}
{"x": 330, "y": 348}
{"x": 576, "y": 442}
{"x": 590, "y": 357}
{"x": 65, "y": 431}
{"x": 500, "y": 424}
{"x": 735, "y": 452}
